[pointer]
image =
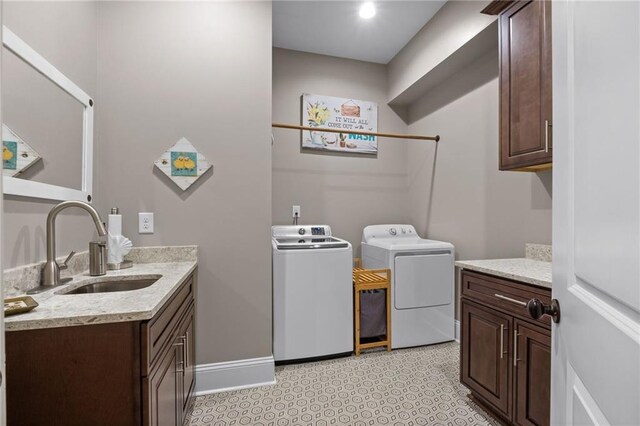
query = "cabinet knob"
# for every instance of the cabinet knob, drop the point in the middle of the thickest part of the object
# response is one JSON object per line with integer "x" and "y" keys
{"x": 537, "y": 309}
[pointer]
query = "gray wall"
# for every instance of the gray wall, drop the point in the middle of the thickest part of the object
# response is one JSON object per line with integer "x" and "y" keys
{"x": 200, "y": 70}
{"x": 65, "y": 34}
{"x": 455, "y": 24}
{"x": 347, "y": 192}
{"x": 451, "y": 191}
{"x": 456, "y": 192}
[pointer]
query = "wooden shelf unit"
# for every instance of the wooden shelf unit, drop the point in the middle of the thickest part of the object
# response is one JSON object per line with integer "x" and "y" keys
{"x": 371, "y": 279}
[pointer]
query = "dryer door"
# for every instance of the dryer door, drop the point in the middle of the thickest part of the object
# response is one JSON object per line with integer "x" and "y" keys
{"x": 423, "y": 280}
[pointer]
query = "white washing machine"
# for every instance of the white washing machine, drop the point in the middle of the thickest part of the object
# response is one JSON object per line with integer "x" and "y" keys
{"x": 312, "y": 293}
{"x": 422, "y": 283}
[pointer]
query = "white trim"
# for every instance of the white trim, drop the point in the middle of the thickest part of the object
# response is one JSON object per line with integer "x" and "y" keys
{"x": 40, "y": 64}
{"x": 580, "y": 394}
{"x": 235, "y": 375}
{"x": 457, "y": 332}
{"x": 28, "y": 188}
{"x": 16, "y": 186}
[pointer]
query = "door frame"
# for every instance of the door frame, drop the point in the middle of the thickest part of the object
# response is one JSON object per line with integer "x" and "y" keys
{"x": 3, "y": 411}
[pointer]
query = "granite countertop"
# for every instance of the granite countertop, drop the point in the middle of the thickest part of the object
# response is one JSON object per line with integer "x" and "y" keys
{"x": 59, "y": 310}
{"x": 534, "y": 269}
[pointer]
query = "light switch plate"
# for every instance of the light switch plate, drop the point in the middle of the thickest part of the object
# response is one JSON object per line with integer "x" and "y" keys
{"x": 145, "y": 223}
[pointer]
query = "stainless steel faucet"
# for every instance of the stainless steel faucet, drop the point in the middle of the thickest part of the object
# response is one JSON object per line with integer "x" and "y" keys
{"x": 51, "y": 270}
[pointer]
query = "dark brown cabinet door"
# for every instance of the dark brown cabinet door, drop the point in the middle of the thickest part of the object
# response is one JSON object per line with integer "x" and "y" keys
{"x": 525, "y": 85}
{"x": 485, "y": 355}
{"x": 164, "y": 389}
{"x": 532, "y": 375}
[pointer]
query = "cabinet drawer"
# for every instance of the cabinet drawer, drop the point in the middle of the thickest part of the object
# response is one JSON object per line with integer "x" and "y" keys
{"x": 487, "y": 290}
{"x": 157, "y": 332}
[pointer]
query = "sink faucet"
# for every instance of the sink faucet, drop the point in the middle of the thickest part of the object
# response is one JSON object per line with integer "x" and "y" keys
{"x": 51, "y": 269}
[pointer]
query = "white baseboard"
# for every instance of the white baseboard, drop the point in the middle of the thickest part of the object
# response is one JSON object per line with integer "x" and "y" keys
{"x": 457, "y": 332}
{"x": 234, "y": 375}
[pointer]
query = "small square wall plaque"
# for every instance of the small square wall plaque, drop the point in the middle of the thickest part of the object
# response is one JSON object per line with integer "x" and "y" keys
{"x": 183, "y": 164}
{"x": 17, "y": 155}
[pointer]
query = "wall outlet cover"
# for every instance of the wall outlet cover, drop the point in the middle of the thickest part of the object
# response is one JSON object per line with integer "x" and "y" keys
{"x": 145, "y": 223}
{"x": 295, "y": 209}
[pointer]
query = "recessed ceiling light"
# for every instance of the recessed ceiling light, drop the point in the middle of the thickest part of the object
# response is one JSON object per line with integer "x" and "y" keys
{"x": 367, "y": 10}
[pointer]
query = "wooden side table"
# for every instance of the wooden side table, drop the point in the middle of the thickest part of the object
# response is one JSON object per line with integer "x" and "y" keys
{"x": 371, "y": 279}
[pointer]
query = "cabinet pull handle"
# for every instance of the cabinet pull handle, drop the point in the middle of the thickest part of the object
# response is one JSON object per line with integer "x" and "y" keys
{"x": 515, "y": 347}
{"x": 546, "y": 135}
{"x": 508, "y": 299}
{"x": 501, "y": 341}
{"x": 186, "y": 349}
{"x": 180, "y": 342}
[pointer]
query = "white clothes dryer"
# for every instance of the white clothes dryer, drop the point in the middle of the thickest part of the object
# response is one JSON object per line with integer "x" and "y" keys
{"x": 422, "y": 283}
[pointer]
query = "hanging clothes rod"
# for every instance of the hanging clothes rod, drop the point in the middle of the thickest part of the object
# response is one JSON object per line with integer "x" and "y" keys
{"x": 355, "y": 132}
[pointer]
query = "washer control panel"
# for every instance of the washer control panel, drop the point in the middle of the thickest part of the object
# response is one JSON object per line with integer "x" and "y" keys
{"x": 300, "y": 230}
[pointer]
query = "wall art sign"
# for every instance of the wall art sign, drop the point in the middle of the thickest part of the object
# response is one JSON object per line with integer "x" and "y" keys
{"x": 340, "y": 114}
{"x": 17, "y": 155}
{"x": 183, "y": 164}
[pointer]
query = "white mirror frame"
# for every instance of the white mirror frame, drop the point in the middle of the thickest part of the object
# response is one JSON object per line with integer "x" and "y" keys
{"x": 27, "y": 188}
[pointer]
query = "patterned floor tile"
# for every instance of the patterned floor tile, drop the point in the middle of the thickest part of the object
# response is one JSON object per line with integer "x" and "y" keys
{"x": 407, "y": 387}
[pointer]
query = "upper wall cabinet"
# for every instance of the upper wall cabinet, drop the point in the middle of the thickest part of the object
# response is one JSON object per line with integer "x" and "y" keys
{"x": 525, "y": 84}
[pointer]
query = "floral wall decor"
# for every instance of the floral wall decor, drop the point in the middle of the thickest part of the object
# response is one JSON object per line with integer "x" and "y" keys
{"x": 183, "y": 164}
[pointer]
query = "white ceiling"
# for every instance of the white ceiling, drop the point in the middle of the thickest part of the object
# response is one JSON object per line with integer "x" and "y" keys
{"x": 334, "y": 27}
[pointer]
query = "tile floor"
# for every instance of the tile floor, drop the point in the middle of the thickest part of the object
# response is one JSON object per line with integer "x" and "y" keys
{"x": 417, "y": 386}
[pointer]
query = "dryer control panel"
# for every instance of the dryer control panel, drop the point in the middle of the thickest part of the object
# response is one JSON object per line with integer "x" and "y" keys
{"x": 388, "y": 231}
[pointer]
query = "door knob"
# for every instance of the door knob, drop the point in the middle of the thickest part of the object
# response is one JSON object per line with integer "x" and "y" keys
{"x": 537, "y": 309}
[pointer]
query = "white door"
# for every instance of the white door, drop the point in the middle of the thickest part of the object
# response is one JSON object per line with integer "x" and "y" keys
{"x": 596, "y": 220}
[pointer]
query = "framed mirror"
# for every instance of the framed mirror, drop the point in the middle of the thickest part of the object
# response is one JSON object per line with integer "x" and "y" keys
{"x": 25, "y": 171}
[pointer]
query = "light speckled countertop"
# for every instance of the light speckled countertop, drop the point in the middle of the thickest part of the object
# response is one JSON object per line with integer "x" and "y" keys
{"x": 534, "y": 269}
{"x": 59, "y": 310}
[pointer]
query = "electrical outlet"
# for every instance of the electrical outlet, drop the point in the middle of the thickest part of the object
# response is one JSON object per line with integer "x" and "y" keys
{"x": 145, "y": 223}
{"x": 295, "y": 211}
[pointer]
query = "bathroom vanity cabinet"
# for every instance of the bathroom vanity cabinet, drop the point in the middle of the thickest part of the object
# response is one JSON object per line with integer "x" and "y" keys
{"x": 122, "y": 373}
{"x": 168, "y": 364}
{"x": 505, "y": 354}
